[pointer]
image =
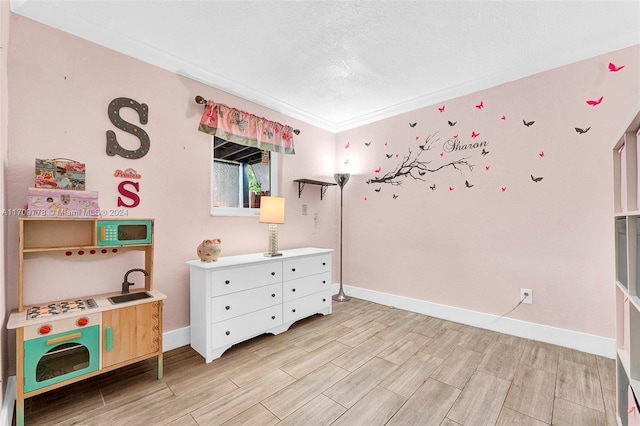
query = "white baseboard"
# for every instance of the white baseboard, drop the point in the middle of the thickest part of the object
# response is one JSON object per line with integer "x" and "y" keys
{"x": 9, "y": 402}
{"x": 176, "y": 338}
{"x": 584, "y": 342}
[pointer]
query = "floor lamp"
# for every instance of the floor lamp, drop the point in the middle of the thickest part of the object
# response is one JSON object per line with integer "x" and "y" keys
{"x": 341, "y": 180}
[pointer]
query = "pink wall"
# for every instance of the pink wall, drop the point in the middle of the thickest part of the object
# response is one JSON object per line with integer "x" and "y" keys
{"x": 4, "y": 41}
{"x": 475, "y": 248}
{"x": 472, "y": 248}
{"x": 60, "y": 87}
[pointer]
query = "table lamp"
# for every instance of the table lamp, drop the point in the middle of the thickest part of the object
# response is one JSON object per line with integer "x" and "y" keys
{"x": 272, "y": 212}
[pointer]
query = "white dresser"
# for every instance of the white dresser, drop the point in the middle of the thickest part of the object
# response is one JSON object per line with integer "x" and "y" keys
{"x": 240, "y": 297}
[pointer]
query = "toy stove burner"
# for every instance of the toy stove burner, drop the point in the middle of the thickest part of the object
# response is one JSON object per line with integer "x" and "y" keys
{"x": 60, "y": 308}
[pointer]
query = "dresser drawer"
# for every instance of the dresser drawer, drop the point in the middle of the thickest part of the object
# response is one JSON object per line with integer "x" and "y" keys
{"x": 305, "y": 306}
{"x": 296, "y": 268}
{"x": 246, "y": 326}
{"x": 235, "y": 304}
{"x": 305, "y": 286}
{"x": 239, "y": 279}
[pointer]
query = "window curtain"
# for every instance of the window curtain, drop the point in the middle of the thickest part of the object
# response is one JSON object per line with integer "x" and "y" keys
{"x": 246, "y": 129}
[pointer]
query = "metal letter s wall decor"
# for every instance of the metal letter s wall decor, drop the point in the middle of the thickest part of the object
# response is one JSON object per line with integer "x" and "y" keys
{"x": 113, "y": 147}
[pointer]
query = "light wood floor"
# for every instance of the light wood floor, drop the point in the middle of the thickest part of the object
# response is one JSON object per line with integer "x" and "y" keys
{"x": 366, "y": 364}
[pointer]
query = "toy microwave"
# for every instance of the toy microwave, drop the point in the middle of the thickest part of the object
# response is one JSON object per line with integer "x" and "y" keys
{"x": 120, "y": 232}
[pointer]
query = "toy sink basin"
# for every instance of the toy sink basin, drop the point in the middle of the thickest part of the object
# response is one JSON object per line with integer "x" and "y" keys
{"x": 122, "y": 298}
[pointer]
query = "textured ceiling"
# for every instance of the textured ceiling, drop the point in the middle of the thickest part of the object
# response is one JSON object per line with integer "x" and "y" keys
{"x": 340, "y": 64}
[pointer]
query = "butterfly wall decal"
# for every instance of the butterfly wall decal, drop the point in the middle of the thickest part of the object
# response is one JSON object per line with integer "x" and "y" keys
{"x": 378, "y": 170}
{"x": 581, "y": 131}
{"x": 378, "y": 190}
{"x": 613, "y": 68}
{"x": 503, "y": 189}
{"x": 487, "y": 168}
{"x": 504, "y": 117}
{"x": 467, "y": 184}
{"x": 389, "y": 155}
{"x": 484, "y": 152}
{"x": 346, "y": 162}
{"x": 528, "y": 123}
{"x": 474, "y": 135}
{"x": 368, "y": 143}
{"x": 452, "y": 123}
{"x": 395, "y": 196}
{"x": 433, "y": 187}
{"x": 347, "y": 145}
{"x": 536, "y": 179}
{"x": 421, "y": 173}
{"x": 541, "y": 153}
{"x": 480, "y": 105}
{"x": 594, "y": 102}
{"x": 441, "y": 109}
{"x": 413, "y": 124}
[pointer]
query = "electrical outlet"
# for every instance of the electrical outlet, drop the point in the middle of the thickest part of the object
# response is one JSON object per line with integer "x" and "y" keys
{"x": 526, "y": 295}
{"x": 304, "y": 210}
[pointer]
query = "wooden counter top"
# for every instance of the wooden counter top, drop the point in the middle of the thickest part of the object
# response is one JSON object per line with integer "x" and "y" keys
{"x": 19, "y": 319}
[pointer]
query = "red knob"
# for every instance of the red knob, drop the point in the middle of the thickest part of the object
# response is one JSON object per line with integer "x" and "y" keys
{"x": 82, "y": 321}
{"x": 45, "y": 329}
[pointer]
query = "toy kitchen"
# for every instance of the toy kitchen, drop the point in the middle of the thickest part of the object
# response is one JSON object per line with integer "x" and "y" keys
{"x": 66, "y": 341}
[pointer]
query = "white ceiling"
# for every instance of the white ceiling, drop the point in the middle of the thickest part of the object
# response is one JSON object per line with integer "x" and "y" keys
{"x": 340, "y": 64}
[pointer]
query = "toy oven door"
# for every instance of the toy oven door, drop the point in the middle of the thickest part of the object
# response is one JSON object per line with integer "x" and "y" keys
{"x": 52, "y": 359}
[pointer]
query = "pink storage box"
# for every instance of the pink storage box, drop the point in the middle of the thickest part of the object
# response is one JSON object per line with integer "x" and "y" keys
{"x": 62, "y": 203}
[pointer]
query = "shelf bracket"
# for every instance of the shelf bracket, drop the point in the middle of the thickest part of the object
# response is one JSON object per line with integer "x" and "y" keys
{"x": 300, "y": 188}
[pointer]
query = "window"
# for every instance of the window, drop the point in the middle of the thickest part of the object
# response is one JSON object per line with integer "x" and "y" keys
{"x": 240, "y": 176}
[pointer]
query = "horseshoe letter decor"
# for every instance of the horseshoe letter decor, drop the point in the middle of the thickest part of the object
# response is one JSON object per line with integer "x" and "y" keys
{"x": 113, "y": 147}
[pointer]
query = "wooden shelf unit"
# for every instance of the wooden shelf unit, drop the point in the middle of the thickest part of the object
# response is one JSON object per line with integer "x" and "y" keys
{"x": 57, "y": 236}
{"x": 626, "y": 221}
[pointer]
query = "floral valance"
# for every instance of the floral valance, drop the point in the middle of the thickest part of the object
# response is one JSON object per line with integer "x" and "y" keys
{"x": 245, "y": 128}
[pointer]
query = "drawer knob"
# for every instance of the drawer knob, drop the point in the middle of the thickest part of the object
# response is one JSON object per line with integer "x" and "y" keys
{"x": 324, "y": 281}
{"x": 273, "y": 317}
{"x": 293, "y": 269}
{"x": 324, "y": 263}
{"x": 227, "y": 307}
{"x": 226, "y": 282}
{"x": 273, "y": 273}
{"x": 293, "y": 289}
{"x": 227, "y": 333}
{"x": 273, "y": 295}
{"x": 324, "y": 300}
{"x": 293, "y": 310}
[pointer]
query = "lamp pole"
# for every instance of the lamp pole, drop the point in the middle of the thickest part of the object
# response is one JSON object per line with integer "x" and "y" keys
{"x": 341, "y": 180}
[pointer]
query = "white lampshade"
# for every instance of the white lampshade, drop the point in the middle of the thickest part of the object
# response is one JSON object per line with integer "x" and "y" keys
{"x": 271, "y": 210}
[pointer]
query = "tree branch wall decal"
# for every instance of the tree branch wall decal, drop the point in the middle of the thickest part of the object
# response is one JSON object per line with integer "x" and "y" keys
{"x": 414, "y": 167}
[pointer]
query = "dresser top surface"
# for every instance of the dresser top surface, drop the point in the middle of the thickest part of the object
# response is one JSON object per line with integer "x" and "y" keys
{"x": 243, "y": 259}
